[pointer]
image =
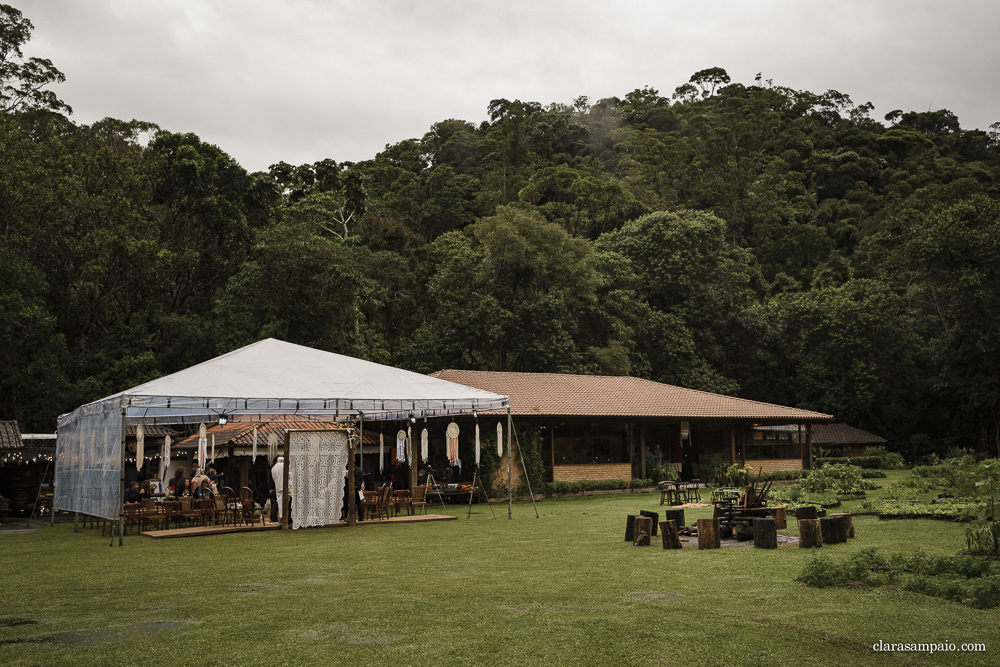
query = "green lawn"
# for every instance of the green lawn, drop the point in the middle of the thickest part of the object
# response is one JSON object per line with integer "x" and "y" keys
{"x": 562, "y": 589}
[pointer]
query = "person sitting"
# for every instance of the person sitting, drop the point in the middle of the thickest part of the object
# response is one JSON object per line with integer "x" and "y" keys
{"x": 204, "y": 491}
{"x": 132, "y": 493}
{"x": 144, "y": 490}
{"x": 184, "y": 489}
{"x": 175, "y": 483}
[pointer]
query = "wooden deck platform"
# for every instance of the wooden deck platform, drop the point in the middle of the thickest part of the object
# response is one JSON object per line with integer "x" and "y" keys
{"x": 197, "y": 531}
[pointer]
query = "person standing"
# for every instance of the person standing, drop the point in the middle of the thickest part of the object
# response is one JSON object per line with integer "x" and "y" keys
{"x": 278, "y": 475}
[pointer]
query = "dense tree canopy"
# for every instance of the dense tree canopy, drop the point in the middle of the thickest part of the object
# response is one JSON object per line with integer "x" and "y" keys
{"x": 741, "y": 238}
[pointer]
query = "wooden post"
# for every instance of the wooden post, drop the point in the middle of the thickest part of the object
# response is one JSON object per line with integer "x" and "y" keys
{"x": 810, "y": 534}
{"x": 671, "y": 540}
{"x": 765, "y": 533}
{"x": 643, "y": 530}
{"x": 709, "y": 534}
{"x": 284, "y": 484}
{"x": 630, "y": 527}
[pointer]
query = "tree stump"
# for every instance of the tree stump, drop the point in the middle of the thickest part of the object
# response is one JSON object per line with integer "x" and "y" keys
{"x": 675, "y": 515}
{"x": 833, "y": 530}
{"x": 643, "y": 528}
{"x": 780, "y": 518}
{"x": 808, "y": 512}
{"x": 630, "y": 528}
{"x": 765, "y": 533}
{"x": 744, "y": 533}
{"x": 671, "y": 540}
{"x": 810, "y": 534}
{"x": 655, "y": 517}
{"x": 709, "y": 536}
{"x": 849, "y": 529}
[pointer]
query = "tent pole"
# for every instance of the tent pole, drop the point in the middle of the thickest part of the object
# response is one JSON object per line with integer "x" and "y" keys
{"x": 510, "y": 459}
{"x": 352, "y": 501}
{"x": 284, "y": 483}
{"x": 121, "y": 490}
{"x": 527, "y": 479}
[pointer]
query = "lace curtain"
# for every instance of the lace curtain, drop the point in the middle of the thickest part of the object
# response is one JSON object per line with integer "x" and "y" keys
{"x": 317, "y": 471}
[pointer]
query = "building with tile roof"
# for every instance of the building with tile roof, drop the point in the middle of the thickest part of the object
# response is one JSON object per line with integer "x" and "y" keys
{"x": 613, "y": 427}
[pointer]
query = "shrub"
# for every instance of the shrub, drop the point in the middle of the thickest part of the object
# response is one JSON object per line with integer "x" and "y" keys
{"x": 870, "y": 462}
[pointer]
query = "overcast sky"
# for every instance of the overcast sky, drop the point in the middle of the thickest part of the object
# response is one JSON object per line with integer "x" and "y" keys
{"x": 303, "y": 80}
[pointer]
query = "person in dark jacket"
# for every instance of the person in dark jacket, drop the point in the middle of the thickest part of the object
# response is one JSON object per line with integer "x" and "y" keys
{"x": 132, "y": 493}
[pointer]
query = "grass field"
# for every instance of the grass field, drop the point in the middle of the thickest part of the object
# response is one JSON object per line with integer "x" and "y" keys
{"x": 562, "y": 589}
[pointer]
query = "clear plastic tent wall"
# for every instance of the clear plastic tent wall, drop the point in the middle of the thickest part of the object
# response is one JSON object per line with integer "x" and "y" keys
{"x": 89, "y": 463}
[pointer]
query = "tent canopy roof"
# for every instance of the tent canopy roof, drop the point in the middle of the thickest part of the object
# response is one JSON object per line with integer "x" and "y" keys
{"x": 275, "y": 377}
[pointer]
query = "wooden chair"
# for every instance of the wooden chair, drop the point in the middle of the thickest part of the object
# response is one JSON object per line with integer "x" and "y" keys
{"x": 369, "y": 504}
{"x": 206, "y": 507}
{"x": 187, "y": 512}
{"x": 133, "y": 516}
{"x": 221, "y": 508}
{"x": 150, "y": 513}
{"x": 401, "y": 498}
{"x": 170, "y": 509}
{"x": 419, "y": 499}
{"x": 249, "y": 507}
{"x": 385, "y": 500}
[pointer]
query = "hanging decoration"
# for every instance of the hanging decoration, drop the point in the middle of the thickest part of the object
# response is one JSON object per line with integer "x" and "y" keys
{"x": 477, "y": 443}
{"x": 381, "y": 452}
{"x": 166, "y": 453}
{"x": 272, "y": 446}
{"x": 202, "y": 445}
{"x": 409, "y": 445}
{"x": 424, "y": 446}
{"x": 401, "y": 445}
{"x": 253, "y": 455}
{"x": 140, "y": 443}
{"x": 499, "y": 438}
{"x": 452, "y": 433}
{"x": 213, "y": 448}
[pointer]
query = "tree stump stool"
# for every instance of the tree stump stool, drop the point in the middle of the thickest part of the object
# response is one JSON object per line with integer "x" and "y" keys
{"x": 806, "y": 513}
{"x": 675, "y": 515}
{"x": 849, "y": 530}
{"x": 833, "y": 529}
{"x": 630, "y": 528}
{"x": 810, "y": 534}
{"x": 655, "y": 517}
{"x": 643, "y": 529}
{"x": 765, "y": 533}
{"x": 671, "y": 540}
{"x": 709, "y": 534}
{"x": 780, "y": 518}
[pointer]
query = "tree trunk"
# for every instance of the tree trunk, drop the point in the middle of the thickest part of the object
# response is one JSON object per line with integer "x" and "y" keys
{"x": 643, "y": 529}
{"x": 655, "y": 517}
{"x": 765, "y": 533}
{"x": 709, "y": 534}
{"x": 630, "y": 527}
{"x": 848, "y": 523}
{"x": 670, "y": 538}
{"x": 810, "y": 534}
{"x": 675, "y": 515}
{"x": 833, "y": 530}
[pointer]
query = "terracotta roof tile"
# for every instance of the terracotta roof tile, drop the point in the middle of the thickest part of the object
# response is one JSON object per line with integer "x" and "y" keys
{"x": 10, "y": 435}
{"x": 843, "y": 434}
{"x": 566, "y": 395}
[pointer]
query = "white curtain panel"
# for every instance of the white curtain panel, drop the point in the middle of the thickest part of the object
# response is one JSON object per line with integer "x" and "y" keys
{"x": 317, "y": 469}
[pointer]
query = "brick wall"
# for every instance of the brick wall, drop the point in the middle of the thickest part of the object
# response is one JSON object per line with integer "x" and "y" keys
{"x": 771, "y": 465}
{"x": 574, "y": 473}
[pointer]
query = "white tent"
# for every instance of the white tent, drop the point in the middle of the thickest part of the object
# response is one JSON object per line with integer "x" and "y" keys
{"x": 269, "y": 377}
